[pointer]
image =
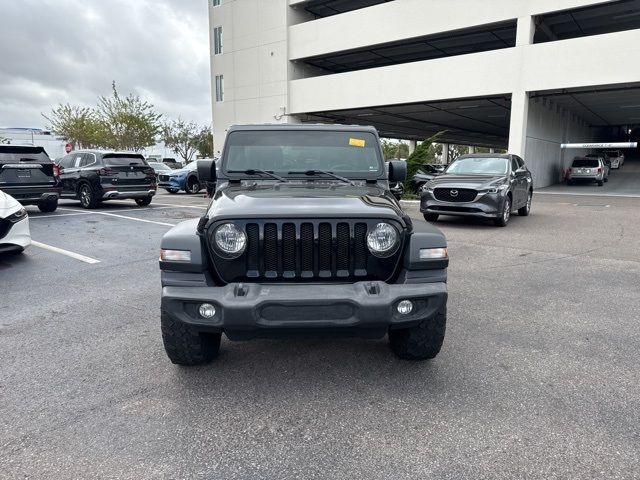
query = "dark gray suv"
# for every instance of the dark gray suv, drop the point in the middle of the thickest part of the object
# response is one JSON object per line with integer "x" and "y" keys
{"x": 480, "y": 185}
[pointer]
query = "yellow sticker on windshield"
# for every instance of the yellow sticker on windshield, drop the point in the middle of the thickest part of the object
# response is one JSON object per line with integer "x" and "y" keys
{"x": 356, "y": 142}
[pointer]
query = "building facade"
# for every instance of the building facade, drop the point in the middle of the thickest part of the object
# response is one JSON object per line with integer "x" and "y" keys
{"x": 526, "y": 75}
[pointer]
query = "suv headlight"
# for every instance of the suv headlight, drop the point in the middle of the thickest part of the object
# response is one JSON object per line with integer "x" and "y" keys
{"x": 383, "y": 240}
{"x": 498, "y": 189}
{"x": 17, "y": 216}
{"x": 230, "y": 240}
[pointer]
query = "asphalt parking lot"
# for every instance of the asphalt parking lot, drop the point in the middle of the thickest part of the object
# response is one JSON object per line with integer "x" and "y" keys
{"x": 539, "y": 376}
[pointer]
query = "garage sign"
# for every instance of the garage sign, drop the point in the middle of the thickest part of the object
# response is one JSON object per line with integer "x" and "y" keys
{"x": 600, "y": 145}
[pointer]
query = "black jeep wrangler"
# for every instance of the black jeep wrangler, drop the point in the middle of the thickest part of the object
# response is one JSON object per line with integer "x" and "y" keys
{"x": 302, "y": 236}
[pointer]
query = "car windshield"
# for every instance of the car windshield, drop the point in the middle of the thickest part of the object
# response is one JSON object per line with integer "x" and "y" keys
{"x": 479, "y": 166}
{"x": 585, "y": 162}
{"x": 123, "y": 160}
{"x": 302, "y": 151}
{"x": 159, "y": 166}
{"x": 16, "y": 154}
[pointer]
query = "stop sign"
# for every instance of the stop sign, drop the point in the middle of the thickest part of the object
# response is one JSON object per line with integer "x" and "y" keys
{"x": 68, "y": 147}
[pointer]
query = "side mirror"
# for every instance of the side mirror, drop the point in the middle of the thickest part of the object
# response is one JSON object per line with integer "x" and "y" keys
{"x": 397, "y": 171}
{"x": 206, "y": 171}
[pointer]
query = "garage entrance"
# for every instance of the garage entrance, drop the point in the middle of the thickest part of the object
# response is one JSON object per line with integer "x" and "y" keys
{"x": 612, "y": 114}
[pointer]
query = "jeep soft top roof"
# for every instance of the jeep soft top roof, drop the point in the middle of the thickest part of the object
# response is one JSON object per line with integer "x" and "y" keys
{"x": 305, "y": 126}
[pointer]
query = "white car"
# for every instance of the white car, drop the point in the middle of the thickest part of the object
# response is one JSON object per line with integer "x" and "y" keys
{"x": 14, "y": 225}
{"x": 616, "y": 157}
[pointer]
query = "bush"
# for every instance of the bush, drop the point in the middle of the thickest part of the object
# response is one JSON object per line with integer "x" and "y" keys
{"x": 424, "y": 153}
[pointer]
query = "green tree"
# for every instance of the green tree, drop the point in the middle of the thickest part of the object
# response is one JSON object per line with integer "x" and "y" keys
{"x": 181, "y": 137}
{"x": 425, "y": 152}
{"x": 393, "y": 149}
{"x": 130, "y": 122}
{"x": 204, "y": 142}
{"x": 79, "y": 126}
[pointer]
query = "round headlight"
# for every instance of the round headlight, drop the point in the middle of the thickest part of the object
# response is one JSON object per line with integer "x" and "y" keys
{"x": 383, "y": 240}
{"x": 230, "y": 240}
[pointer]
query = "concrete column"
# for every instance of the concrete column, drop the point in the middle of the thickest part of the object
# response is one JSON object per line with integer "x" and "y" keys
{"x": 492, "y": 150}
{"x": 518, "y": 124}
{"x": 445, "y": 154}
{"x": 472, "y": 149}
{"x": 525, "y": 30}
{"x": 412, "y": 146}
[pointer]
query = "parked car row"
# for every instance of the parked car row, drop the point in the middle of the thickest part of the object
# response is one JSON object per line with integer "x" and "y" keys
{"x": 594, "y": 167}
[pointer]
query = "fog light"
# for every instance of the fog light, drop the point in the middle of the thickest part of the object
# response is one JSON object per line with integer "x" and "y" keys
{"x": 405, "y": 307}
{"x": 207, "y": 310}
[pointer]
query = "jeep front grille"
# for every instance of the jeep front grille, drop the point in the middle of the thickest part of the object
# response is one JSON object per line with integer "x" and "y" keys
{"x": 305, "y": 250}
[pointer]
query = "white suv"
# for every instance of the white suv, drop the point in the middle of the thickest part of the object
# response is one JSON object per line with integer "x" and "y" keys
{"x": 616, "y": 157}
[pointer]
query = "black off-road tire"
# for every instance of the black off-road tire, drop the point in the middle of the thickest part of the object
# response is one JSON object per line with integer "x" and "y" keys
{"x": 48, "y": 205}
{"x": 421, "y": 342}
{"x": 143, "y": 202}
{"x": 431, "y": 217}
{"x": 87, "y": 196}
{"x": 524, "y": 211}
{"x": 504, "y": 217}
{"x": 185, "y": 345}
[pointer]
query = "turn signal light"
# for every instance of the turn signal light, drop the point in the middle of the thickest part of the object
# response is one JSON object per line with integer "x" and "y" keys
{"x": 175, "y": 255}
{"x": 434, "y": 253}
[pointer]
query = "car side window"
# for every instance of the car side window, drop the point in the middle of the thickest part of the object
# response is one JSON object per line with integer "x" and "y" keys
{"x": 514, "y": 164}
{"x": 87, "y": 159}
{"x": 77, "y": 159}
{"x": 65, "y": 162}
{"x": 520, "y": 162}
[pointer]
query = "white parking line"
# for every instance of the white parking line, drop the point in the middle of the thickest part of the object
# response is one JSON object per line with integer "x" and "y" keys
{"x": 136, "y": 219}
{"x": 60, "y": 215}
{"x": 62, "y": 251}
{"x": 180, "y": 206}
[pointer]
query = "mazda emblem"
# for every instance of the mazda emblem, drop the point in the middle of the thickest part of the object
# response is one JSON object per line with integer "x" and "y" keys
{"x": 453, "y": 193}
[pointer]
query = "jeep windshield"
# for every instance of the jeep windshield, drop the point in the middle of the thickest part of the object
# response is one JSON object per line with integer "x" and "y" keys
{"x": 479, "y": 166}
{"x": 304, "y": 153}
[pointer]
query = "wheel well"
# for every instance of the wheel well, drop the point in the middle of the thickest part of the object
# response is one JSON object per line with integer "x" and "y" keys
{"x": 80, "y": 184}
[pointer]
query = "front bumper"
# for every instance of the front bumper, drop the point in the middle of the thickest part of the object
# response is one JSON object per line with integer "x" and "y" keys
{"x": 256, "y": 310}
{"x": 17, "y": 238}
{"x": 174, "y": 183}
{"x": 488, "y": 205}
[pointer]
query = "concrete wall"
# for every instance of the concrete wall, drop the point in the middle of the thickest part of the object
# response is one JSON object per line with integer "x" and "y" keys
{"x": 533, "y": 67}
{"x": 404, "y": 19}
{"x": 548, "y": 126}
{"x": 254, "y": 63}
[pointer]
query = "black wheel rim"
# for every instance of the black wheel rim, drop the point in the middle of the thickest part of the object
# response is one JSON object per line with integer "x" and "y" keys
{"x": 85, "y": 196}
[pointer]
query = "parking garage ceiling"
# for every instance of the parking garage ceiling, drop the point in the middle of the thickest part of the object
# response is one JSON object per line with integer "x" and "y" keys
{"x": 471, "y": 40}
{"x": 326, "y": 8}
{"x": 592, "y": 20}
{"x": 603, "y": 106}
{"x": 476, "y": 121}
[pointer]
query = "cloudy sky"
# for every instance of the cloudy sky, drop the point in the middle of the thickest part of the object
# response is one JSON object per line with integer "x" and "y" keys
{"x": 59, "y": 51}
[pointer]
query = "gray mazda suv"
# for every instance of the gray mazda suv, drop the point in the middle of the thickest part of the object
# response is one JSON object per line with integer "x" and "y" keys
{"x": 480, "y": 185}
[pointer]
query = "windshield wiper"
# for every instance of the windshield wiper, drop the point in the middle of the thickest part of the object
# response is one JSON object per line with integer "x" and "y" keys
{"x": 255, "y": 171}
{"x": 311, "y": 173}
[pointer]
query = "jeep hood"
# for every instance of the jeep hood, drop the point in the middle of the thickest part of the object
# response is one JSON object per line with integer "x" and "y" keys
{"x": 303, "y": 200}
